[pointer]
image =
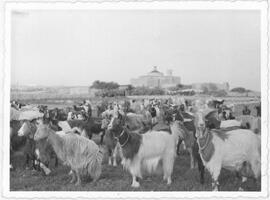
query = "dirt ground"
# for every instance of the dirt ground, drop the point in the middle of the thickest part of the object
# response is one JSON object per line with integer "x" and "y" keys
{"x": 116, "y": 179}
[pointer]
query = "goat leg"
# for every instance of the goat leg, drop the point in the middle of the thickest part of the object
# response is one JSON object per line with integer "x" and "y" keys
{"x": 73, "y": 179}
{"x": 27, "y": 161}
{"x": 102, "y": 136}
{"x": 34, "y": 164}
{"x": 178, "y": 146}
{"x": 197, "y": 156}
{"x": 201, "y": 170}
{"x": 46, "y": 170}
{"x": 56, "y": 162}
{"x": 78, "y": 178}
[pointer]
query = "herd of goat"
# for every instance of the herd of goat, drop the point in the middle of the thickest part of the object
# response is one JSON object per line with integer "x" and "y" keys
{"x": 146, "y": 134}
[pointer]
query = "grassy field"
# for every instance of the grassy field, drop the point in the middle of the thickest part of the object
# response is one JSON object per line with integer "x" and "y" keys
{"x": 116, "y": 179}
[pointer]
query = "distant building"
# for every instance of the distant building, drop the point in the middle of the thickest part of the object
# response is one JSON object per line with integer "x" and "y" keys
{"x": 156, "y": 79}
{"x": 211, "y": 86}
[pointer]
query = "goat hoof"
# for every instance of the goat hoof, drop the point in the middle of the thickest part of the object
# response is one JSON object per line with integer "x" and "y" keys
{"x": 47, "y": 173}
{"x": 240, "y": 189}
{"x": 78, "y": 183}
{"x": 135, "y": 185}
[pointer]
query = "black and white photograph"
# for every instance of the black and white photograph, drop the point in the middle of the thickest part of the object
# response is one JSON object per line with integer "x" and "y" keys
{"x": 127, "y": 97}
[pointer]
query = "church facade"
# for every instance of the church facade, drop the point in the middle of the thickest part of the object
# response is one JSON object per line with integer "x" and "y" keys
{"x": 156, "y": 79}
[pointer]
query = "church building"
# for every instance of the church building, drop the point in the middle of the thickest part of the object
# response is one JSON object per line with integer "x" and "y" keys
{"x": 156, "y": 79}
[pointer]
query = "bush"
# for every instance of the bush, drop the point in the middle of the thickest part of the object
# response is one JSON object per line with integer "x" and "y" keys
{"x": 110, "y": 93}
{"x": 239, "y": 90}
{"x": 105, "y": 85}
{"x": 180, "y": 87}
{"x": 219, "y": 93}
{"x": 147, "y": 91}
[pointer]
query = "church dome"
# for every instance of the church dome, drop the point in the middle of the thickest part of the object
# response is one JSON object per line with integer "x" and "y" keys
{"x": 155, "y": 72}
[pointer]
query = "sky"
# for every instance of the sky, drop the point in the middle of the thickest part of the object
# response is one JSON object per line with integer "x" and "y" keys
{"x": 75, "y": 48}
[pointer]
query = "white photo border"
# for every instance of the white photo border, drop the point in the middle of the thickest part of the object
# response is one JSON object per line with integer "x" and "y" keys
{"x": 9, "y": 6}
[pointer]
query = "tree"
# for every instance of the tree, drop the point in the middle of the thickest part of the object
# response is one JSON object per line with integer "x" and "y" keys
{"x": 239, "y": 90}
{"x": 205, "y": 89}
{"x": 130, "y": 87}
{"x": 219, "y": 93}
{"x": 147, "y": 91}
{"x": 180, "y": 86}
{"x": 104, "y": 85}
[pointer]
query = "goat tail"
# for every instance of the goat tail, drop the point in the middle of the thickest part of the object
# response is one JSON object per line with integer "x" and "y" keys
{"x": 150, "y": 164}
{"x": 94, "y": 166}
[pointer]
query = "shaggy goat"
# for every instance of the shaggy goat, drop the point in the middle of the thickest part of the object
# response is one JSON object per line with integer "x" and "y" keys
{"x": 232, "y": 148}
{"x": 134, "y": 122}
{"x": 190, "y": 141}
{"x": 144, "y": 151}
{"x": 43, "y": 150}
{"x": 112, "y": 146}
{"x": 137, "y": 122}
{"x": 82, "y": 155}
{"x": 110, "y": 142}
{"x": 23, "y": 144}
{"x": 250, "y": 122}
{"x": 85, "y": 127}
